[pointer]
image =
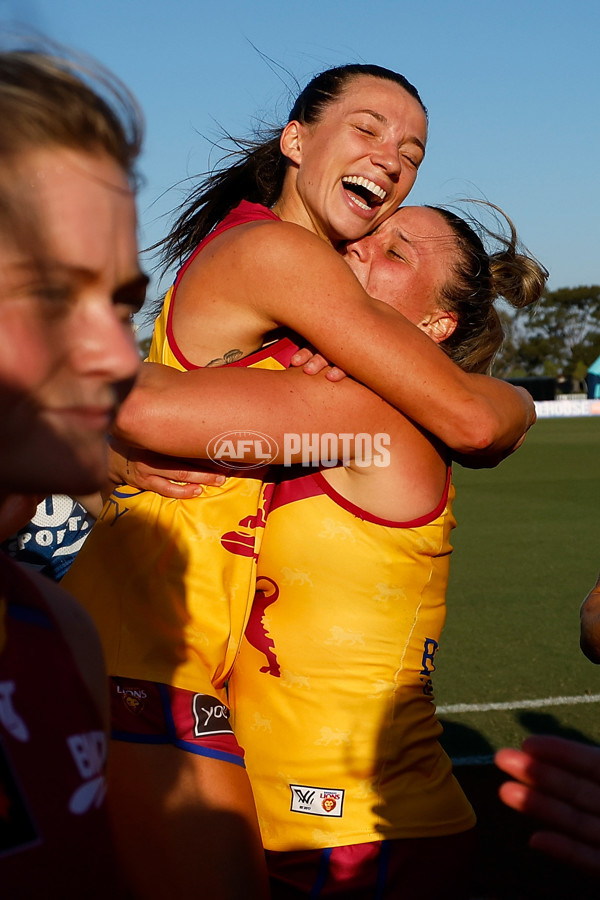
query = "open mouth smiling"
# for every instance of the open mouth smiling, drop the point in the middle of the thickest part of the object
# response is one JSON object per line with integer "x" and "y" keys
{"x": 365, "y": 193}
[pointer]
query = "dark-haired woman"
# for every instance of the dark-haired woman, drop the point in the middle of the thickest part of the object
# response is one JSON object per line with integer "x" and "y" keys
{"x": 331, "y": 692}
{"x": 258, "y": 244}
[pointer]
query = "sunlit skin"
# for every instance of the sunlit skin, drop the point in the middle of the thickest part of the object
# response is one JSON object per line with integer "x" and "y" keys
{"x": 267, "y": 274}
{"x": 413, "y": 482}
{"x": 375, "y": 130}
{"x": 68, "y": 353}
{"x": 406, "y": 261}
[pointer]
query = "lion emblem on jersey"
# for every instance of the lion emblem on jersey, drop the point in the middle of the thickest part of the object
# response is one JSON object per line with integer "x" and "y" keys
{"x": 133, "y": 704}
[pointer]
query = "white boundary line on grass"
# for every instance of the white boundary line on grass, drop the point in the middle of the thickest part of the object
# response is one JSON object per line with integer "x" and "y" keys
{"x": 487, "y": 760}
{"x": 517, "y": 704}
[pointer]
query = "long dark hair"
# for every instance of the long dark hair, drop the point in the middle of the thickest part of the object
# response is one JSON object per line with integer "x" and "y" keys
{"x": 254, "y": 168}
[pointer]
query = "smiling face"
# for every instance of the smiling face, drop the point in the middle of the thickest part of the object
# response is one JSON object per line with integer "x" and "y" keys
{"x": 67, "y": 350}
{"x": 405, "y": 262}
{"x": 357, "y": 163}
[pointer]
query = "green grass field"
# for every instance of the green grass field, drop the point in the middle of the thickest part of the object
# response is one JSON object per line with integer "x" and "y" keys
{"x": 527, "y": 551}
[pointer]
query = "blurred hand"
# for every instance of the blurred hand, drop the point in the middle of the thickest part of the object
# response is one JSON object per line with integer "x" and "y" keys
{"x": 558, "y": 782}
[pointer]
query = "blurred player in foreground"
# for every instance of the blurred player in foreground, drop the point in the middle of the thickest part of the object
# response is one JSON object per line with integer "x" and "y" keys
{"x": 69, "y": 282}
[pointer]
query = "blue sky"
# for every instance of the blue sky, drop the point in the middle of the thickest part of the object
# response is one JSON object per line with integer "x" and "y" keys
{"x": 512, "y": 88}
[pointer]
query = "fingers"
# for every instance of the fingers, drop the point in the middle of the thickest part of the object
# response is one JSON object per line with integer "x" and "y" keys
{"x": 575, "y": 757}
{"x": 576, "y": 839}
{"x": 311, "y": 362}
{"x": 301, "y": 357}
{"x": 174, "y": 483}
{"x": 191, "y": 476}
{"x": 513, "y": 762}
{"x": 315, "y": 364}
{"x": 558, "y": 784}
{"x": 335, "y": 374}
{"x": 562, "y": 769}
{"x": 180, "y": 484}
{"x": 172, "y": 489}
{"x": 550, "y": 810}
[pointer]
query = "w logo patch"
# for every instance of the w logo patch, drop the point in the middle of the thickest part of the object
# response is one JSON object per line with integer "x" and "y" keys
{"x": 315, "y": 801}
{"x": 304, "y": 796}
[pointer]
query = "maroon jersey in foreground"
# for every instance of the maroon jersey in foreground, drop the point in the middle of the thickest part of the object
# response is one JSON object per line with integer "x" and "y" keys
{"x": 54, "y": 833}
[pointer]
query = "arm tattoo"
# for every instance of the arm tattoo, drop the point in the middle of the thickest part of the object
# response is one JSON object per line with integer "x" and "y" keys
{"x": 229, "y": 357}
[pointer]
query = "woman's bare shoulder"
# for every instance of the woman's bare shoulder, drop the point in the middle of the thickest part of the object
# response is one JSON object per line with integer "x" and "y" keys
{"x": 272, "y": 236}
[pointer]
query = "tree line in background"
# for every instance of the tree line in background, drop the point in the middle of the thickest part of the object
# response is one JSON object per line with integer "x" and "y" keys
{"x": 558, "y": 337}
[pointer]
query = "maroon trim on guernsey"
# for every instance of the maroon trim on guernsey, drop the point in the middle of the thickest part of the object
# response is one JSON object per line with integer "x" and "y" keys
{"x": 244, "y": 213}
{"x": 314, "y": 483}
{"x": 281, "y": 350}
{"x": 291, "y": 489}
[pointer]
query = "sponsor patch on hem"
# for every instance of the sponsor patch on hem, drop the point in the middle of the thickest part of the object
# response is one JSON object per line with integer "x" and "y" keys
{"x": 316, "y": 801}
{"x": 210, "y": 716}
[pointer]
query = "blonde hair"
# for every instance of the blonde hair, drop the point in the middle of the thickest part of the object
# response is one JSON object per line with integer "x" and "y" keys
{"x": 478, "y": 280}
{"x": 48, "y": 99}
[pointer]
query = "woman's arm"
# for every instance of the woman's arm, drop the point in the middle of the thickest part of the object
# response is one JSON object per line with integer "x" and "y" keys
{"x": 282, "y": 275}
{"x": 331, "y": 422}
{"x": 179, "y": 413}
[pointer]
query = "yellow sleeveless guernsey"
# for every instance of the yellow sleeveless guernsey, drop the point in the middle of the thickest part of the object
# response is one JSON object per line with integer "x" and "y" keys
{"x": 331, "y": 692}
{"x": 169, "y": 582}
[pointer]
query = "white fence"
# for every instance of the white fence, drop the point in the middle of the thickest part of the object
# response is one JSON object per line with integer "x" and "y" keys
{"x": 550, "y": 409}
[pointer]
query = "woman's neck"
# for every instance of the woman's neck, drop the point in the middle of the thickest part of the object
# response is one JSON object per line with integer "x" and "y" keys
{"x": 290, "y": 208}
